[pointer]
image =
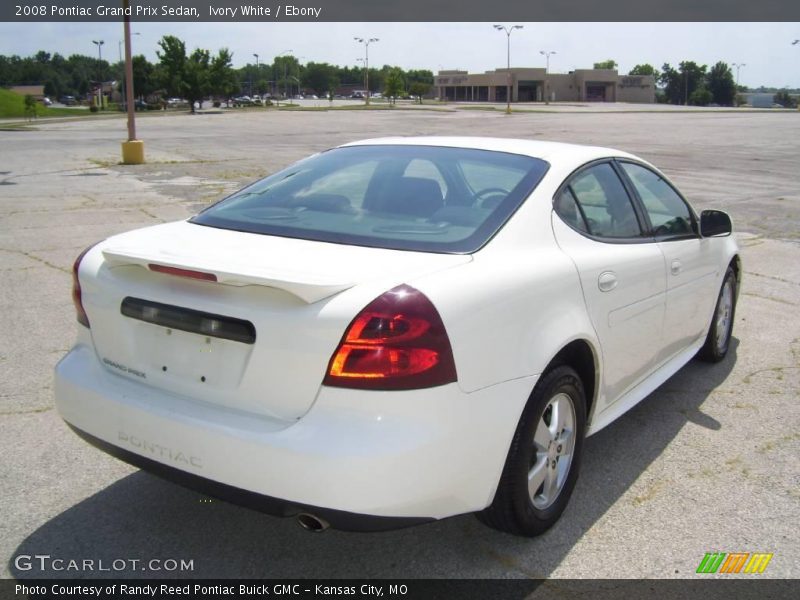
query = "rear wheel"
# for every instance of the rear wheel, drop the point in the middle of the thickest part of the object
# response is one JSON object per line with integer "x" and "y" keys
{"x": 718, "y": 339}
{"x": 543, "y": 461}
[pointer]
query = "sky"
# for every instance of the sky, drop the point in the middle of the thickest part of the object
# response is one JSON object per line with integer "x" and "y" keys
{"x": 765, "y": 49}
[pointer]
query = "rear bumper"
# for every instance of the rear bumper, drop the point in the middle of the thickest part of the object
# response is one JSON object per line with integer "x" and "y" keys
{"x": 278, "y": 507}
{"x": 361, "y": 460}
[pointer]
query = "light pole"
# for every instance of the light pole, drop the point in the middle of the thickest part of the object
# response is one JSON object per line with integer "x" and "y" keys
{"x": 366, "y": 42}
{"x": 119, "y": 49}
{"x": 99, "y": 44}
{"x": 119, "y": 44}
{"x": 508, "y": 31}
{"x": 251, "y": 91}
{"x": 546, "y": 54}
{"x": 738, "y": 66}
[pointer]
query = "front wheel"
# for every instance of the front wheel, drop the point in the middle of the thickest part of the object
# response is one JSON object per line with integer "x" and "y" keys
{"x": 718, "y": 339}
{"x": 543, "y": 461}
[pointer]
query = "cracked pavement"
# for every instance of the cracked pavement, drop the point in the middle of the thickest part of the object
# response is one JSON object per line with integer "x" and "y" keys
{"x": 709, "y": 462}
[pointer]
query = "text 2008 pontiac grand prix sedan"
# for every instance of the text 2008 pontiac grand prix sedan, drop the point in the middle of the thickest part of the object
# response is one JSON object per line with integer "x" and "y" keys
{"x": 398, "y": 330}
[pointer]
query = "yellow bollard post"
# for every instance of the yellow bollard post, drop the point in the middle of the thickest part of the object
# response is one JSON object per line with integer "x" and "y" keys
{"x": 133, "y": 152}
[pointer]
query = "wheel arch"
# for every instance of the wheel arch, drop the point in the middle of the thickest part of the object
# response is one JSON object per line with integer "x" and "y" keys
{"x": 581, "y": 355}
{"x": 736, "y": 265}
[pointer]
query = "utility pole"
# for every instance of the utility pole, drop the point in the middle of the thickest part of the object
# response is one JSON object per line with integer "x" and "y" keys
{"x": 132, "y": 149}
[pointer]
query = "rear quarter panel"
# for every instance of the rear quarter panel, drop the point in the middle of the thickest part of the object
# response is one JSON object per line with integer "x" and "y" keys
{"x": 517, "y": 304}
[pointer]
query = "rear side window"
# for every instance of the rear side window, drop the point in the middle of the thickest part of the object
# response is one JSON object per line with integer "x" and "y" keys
{"x": 404, "y": 197}
{"x": 604, "y": 207}
{"x": 567, "y": 208}
{"x": 668, "y": 213}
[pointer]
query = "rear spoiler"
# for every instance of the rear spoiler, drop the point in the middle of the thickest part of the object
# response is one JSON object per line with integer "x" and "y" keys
{"x": 307, "y": 287}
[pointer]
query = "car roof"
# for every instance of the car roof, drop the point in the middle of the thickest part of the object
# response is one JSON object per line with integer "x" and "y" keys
{"x": 553, "y": 152}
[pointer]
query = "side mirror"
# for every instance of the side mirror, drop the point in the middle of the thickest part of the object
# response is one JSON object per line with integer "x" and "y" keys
{"x": 715, "y": 222}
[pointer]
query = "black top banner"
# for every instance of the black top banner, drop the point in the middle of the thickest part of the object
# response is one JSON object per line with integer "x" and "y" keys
{"x": 400, "y": 10}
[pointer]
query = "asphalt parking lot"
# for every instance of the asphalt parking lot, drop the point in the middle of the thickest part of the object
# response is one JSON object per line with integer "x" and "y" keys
{"x": 709, "y": 462}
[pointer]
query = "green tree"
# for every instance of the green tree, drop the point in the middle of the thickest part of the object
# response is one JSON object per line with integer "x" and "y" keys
{"x": 419, "y": 89}
{"x": 30, "y": 106}
{"x": 377, "y": 77}
{"x": 393, "y": 85}
{"x": 606, "y": 64}
{"x": 320, "y": 77}
{"x": 721, "y": 84}
{"x": 144, "y": 82}
{"x": 223, "y": 79}
{"x": 421, "y": 75}
{"x": 283, "y": 68}
{"x": 83, "y": 71}
{"x": 196, "y": 77}
{"x": 680, "y": 84}
{"x": 645, "y": 69}
{"x": 172, "y": 65}
{"x": 670, "y": 80}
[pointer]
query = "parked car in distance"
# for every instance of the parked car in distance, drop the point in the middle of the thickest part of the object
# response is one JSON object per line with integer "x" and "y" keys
{"x": 399, "y": 330}
{"x": 242, "y": 101}
{"x": 138, "y": 104}
{"x": 67, "y": 100}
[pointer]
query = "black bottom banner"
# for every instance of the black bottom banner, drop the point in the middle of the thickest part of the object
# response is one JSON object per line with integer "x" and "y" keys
{"x": 412, "y": 589}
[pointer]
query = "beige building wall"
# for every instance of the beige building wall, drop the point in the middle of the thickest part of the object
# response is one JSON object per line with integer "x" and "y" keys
{"x": 636, "y": 88}
{"x": 535, "y": 85}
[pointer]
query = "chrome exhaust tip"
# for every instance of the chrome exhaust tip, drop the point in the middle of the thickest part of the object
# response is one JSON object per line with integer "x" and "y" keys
{"x": 312, "y": 523}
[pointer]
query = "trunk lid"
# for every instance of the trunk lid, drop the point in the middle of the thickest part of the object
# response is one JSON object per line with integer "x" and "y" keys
{"x": 288, "y": 290}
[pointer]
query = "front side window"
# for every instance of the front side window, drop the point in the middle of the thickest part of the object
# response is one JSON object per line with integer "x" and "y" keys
{"x": 603, "y": 203}
{"x": 404, "y": 197}
{"x": 669, "y": 214}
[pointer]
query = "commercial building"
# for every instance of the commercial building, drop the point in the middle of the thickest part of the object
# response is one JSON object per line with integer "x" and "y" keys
{"x": 536, "y": 85}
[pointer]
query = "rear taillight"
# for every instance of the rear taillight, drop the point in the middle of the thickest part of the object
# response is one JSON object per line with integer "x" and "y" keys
{"x": 80, "y": 313}
{"x": 397, "y": 342}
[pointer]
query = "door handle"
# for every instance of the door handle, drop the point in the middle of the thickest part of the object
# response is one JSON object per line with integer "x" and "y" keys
{"x": 676, "y": 267}
{"x": 607, "y": 281}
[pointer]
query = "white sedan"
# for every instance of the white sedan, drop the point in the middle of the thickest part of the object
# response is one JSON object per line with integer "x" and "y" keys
{"x": 398, "y": 330}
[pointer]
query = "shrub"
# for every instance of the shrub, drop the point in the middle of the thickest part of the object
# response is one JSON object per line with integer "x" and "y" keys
{"x": 784, "y": 99}
{"x": 93, "y": 108}
{"x": 701, "y": 97}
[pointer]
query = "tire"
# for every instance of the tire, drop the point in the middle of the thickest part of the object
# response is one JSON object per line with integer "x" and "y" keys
{"x": 718, "y": 339}
{"x": 542, "y": 454}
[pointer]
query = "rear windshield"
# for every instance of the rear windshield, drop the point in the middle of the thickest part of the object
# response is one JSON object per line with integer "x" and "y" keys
{"x": 424, "y": 198}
